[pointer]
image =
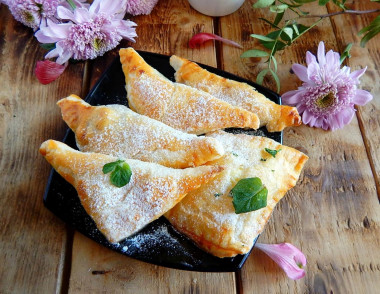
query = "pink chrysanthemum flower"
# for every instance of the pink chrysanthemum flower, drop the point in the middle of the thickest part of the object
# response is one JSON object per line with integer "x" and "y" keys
{"x": 329, "y": 93}
{"x": 89, "y": 32}
{"x": 33, "y": 12}
{"x": 137, "y": 7}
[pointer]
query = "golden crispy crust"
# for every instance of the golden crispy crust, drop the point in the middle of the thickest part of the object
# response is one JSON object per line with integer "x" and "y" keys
{"x": 118, "y": 131}
{"x": 177, "y": 105}
{"x": 119, "y": 212}
{"x": 207, "y": 214}
{"x": 275, "y": 117}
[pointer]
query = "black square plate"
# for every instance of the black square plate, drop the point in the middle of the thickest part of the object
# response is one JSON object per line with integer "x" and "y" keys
{"x": 158, "y": 243}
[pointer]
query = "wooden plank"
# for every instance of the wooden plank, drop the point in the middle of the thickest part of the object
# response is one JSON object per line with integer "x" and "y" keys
{"x": 96, "y": 269}
{"x": 364, "y": 57}
{"x": 33, "y": 240}
{"x": 332, "y": 214}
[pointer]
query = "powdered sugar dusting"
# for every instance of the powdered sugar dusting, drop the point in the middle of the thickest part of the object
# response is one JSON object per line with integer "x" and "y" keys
{"x": 118, "y": 131}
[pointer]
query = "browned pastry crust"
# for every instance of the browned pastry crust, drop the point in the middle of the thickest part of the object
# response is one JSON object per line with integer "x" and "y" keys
{"x": 178, "y": 105}
{"x": 119, "y": 212}
{"x": 121, "y": 132}
{"x": 207, "y": 215}
{"x": 275, "y": 117}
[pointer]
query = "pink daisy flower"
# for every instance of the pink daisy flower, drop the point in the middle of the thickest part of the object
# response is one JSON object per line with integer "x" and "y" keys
{"x": 329, "y": 93}
{"x": 89, "y": 32}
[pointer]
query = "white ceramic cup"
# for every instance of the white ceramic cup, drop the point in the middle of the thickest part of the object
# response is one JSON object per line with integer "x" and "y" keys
{"x": 216, "y": 7}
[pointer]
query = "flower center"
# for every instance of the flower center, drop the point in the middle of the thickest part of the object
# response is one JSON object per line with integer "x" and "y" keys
{"x": 325, "y": 101}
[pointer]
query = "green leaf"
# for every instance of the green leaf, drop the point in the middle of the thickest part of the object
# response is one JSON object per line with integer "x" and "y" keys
{"x": 323, "y": 2}
{"x": 289, "y": 32}
{"x": 254, "y": 53}
{"x": 72, "y": 4}
{"x": 120, "y": 172}
{"x": 278, "y": 18}
{"x": 108, "y": 167}
{"x": 260, "y": 37}
{"x": 270, "y": 44}
{"x": 272, "y": 152}
{"x": 261, "y": 75}
{"x": 370, "y": 31}
{"x": 48, "y": 46}
{"x": 276, "y": 79}
{"x": 249, "y": 195}
{"x": 263, "y": 3}
{"x": 346, "y": 53}
{"x": 278, "y": 8}
{"x": 274, "y": 62}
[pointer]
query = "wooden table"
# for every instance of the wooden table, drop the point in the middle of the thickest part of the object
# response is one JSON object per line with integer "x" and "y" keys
{"x": 332, "y": 215}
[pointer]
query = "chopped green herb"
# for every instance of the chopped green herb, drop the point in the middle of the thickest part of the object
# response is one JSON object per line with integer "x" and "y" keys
{"x": 217, "y": 194}
{"x": 263, "y": 159}
{"x": 234, "y": 154}
{"x": 272, "y": 152}
{"x": 248, "y": 195}
{"x": 120, "y": 172}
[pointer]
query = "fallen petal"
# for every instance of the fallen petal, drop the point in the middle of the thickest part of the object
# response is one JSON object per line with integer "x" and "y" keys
{"x": 199, "y": 39}
{"x": 48, "y": 71}
{"x": 288, "y": 257}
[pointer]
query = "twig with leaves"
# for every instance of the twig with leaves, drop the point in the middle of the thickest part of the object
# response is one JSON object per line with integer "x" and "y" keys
{"x": 286, "y": 32}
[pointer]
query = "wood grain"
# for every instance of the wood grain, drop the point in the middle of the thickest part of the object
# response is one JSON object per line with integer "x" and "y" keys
{"x": 33, "y": 241}
{"x": 364, "y": 57}
{"x": 333, "y": 213}
{"x": 96, "y": 269}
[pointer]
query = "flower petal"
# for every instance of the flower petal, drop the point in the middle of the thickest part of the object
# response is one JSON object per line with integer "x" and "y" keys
{"x": 310, "y": 58}
{"x": 292, "y": 97}
{"x": 48, "y": 71}
{"x": 355, "y": 75}
{"x": 53, "y": 32}
{"x": 321, "y": 54}
{"x": 301, "y": 72}
{"x": 65, "y": 13}
{"x": 200, "y": 38}
{"x": 288, "y": 257}
{"x": 361, "y": 97}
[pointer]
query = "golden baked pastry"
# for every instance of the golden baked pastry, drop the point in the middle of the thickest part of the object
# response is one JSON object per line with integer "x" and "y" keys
{"x": 275, "y": 117}
{"x": 118, "y": 131}
{"x": 207, "y": 215}
{"x": 177, "y": 105}
{"x": 119, "y": 212}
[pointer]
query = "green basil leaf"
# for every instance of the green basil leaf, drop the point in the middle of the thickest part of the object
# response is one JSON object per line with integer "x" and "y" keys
{"x": 108, "y": 167}
{"x": 120, "y": 172}
{"x": 272, "y": 152}
{"x": 121, "y": 175}
{"x": 249, "y": 195}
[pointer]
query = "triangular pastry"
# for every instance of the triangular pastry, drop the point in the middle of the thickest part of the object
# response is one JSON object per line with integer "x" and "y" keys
{"x": 121, "y": 132}
{"x": 207, "y": 215}
{"x": 275, "y": 117}
{"x": 119, "y": 212}
{"x": 179, "y": 106}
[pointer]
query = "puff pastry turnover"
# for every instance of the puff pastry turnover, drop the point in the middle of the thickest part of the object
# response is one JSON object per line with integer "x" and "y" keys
{"x": 177, "y": 105}
{"x": 119, "y": 212}
{"x": 119, "y": 131}
{"x": 207, "y": 215}
{"x": 275, "y": 117}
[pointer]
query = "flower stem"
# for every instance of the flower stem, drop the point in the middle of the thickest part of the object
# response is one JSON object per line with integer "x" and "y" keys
{"x": 341, "y": 12}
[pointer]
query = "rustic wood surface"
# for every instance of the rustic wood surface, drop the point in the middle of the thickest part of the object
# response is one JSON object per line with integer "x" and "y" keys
{"x": 333, "y": 214}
